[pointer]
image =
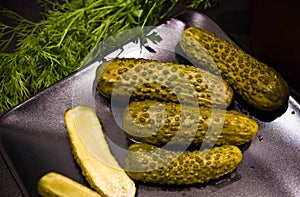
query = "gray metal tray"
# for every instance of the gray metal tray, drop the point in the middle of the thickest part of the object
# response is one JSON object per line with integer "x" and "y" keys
{"x": 34, "y": 139}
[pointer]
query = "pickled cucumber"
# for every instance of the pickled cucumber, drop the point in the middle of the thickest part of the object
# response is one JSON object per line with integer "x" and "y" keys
{"x": 150, "y": 164}
{"x": 142, "y": 79}
{"x": 157, "y": 123}
{"x": 54, "y": 184}
{"x": 93, "y": 155}
{"x": 254, "y": 81}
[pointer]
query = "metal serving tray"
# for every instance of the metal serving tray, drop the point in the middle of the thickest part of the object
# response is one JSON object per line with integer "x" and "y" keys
{"x": 34, "y": 139}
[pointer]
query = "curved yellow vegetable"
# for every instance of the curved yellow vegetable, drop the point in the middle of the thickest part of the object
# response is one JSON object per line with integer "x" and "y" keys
{"x": 54, "y": 184}
{"x": 93, "y": 155}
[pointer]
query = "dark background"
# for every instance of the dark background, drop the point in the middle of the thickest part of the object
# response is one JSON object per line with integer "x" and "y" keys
{"x": 267, "y": 29}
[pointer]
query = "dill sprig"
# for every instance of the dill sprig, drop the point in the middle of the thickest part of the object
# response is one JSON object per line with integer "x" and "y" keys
{"x": 54, "y": 47}
{"x": 201, "y": 4}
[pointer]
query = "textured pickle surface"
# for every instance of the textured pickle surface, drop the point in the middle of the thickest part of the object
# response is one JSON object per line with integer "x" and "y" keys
{"x": 256, "y": 82}
{"x": 158, "y": 122}
{"x": 151, "y": 164}
{"x": 142, "y": 79}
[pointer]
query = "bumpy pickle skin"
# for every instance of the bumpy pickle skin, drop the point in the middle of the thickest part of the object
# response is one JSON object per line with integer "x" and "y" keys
{"x": 142, "y": 79}
{"x": 257, "y": 83}
{"x": 150, "y": 164}
{"x": 54, "y": 184}
{"x": 157, "y": 123}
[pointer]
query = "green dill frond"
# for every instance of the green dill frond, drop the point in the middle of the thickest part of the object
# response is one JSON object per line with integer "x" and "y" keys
{"x": 51, "y": 49}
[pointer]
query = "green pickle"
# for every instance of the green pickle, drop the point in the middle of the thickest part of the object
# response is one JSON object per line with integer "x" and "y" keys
{"x": 150, "y": 164}
{"x": 142, "y": 79}
{"x": 157, "y": 123}
{"x": 254, "y": 81}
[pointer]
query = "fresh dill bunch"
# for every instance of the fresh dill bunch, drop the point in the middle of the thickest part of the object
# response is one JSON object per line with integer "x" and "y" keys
{"x": 54, "y": 47}
{"x": 201, "y": 4}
